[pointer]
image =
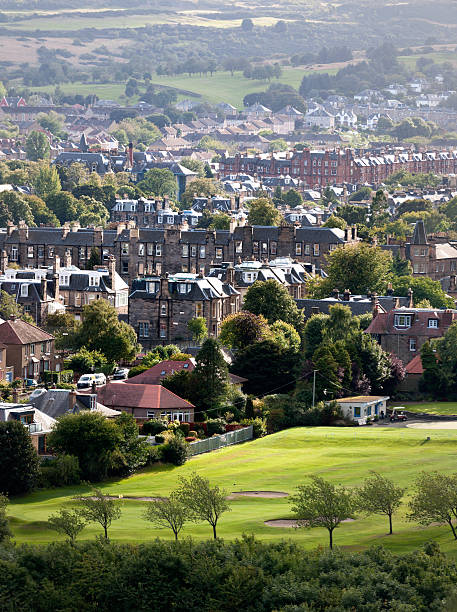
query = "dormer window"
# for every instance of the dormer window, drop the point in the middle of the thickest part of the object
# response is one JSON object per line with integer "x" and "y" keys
{"x": 94, "y": 281}
{"x": 25, "y": 290}
{"x": 402, "y": 320}
{"x": 433, "y": 323}
{"x": 163, "y": 310}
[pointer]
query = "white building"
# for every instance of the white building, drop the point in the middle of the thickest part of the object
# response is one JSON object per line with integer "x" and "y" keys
{"x": 362, "y": 407}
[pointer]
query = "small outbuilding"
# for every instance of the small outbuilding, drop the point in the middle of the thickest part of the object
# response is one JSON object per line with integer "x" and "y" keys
{"x": 361, "y": 407}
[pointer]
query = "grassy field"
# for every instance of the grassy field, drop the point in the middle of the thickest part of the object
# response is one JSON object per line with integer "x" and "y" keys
{"x": 438, "y": 57}
{"x": 276, "y": 463}
{"x": 437, "y": 408}
{"x": 221, "y": 87}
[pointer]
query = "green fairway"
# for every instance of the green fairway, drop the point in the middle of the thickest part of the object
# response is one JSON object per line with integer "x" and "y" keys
{"x": 437, "y": 408}
{"x": 276, "y": 463}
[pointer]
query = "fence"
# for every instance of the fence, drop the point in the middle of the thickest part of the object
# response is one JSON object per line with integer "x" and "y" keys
{"x": 227, "y": 439}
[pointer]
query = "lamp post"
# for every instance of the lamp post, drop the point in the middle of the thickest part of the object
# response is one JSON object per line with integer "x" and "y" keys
{"x": 314, "y": 385}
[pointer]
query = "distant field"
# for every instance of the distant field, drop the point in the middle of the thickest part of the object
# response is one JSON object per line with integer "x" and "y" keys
{"x": 438, "y": 57}
{"x": 276, "y": 463}
{"x": 436, "y": 408}
{"x": 221, "y": 87}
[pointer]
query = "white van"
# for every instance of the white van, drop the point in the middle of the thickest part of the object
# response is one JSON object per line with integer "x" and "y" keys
{"x": 86, "y": 380}
{"x": 100, "y": 379}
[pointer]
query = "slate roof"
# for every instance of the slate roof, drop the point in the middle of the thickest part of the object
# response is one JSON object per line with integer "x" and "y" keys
{"x": 419, "y": 235}
{"x": 321, "y": 235}
{"x": 16, "y": 331}
{"x": 55, "y": 403}
{"x": 383, "y": 323}
{"x": 154, "y": 375}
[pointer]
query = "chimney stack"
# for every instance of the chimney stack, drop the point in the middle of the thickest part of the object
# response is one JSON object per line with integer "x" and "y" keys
{"x": 346, "y": 295}
{"x": 4, "y": 262}
{"x": 390, "y": 290}
{"x": 71, "y": 401}
{"x": 56, "y": 266}
{"x": 112, "y": 271}
{"x": 452, "y": 283}
{"x": 336, "y": 294}
{"x": 44, "y": 288}
{"x": 410, "y": 296}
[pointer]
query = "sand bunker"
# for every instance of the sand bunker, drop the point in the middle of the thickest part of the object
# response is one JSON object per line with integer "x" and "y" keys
{"x": 292, "y": 522}
{"x": 131, "y": 497}
{"x": 263, "y": 494}
{"x": 434, "y": 425}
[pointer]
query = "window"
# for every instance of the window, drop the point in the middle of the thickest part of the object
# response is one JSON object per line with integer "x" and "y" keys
{"x": 14, "y": 253}
{"x": 150, "y": 414}
{"x": 170, "y": 219}
{"x": 298, "y": 248}
{"x": 331, "y": 247}
{"x": 198, "y": 309}
{"x": 433, "y": 323}
{"x": 65, "y": 279}
{"x": 163, "y": 310}
{"x": 105, "y": 254}
{"x": 124, "y": 248}
{"x": 40, "y": 251}
{"x": 202, "y": 252}
{"x": 160, "y": 219}
{"x": 264, "y": 247}
{"x": 412, "y": 344}
{"x": 255, "y": 247}
{"x": 30, "y": 251}
{"x": 158, "y": 250}
{"x": 94, "y": 281}
{"x": 182, "y": 287}
{"x": 315, "y": 250}
{"x": 150, "y": 248}
{"x": 273, "y": 248}
{"x": 125, "y": 267}
{"x": 25, "y": 291}
{"x": 185, "y": 250}
{"x": 238, "y": 246}
{"x": 152, "y": 287}
{"x": 143, "y": 329}
{"x": 402, "y": 321}
{"x": 419, "y": 268}
{"x": 356, "y": 411}
{"x": 141, "y": 249}
{"x": 163, "y": 331}
{"x": 32, "y": 349}
{"x": 219, "y": 252}
{"x": 82, "y": 252}
{"x": 368, "y": 410}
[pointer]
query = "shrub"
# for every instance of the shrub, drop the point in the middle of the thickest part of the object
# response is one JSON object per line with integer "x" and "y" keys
{"x": 153, "y": 427}
{"x": 159, "y": 439}
{"x": 154, "y": 455}
{"x": 215, "y": 426}
{"x": 59, "y": 472}
{"x": 259, "y": 428}
{"x": 193, "y": 434}
{"x": 185, "y": 427}
{"x": 137, "y": 370}
{"x": 175, "y": 451}
{"x": 64, "y": 385}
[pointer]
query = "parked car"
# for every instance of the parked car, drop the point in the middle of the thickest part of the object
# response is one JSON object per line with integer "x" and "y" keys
{"x": 121, "y": 374}
{"x": 30, "y": 382}
{"x": 85, "y": 382}
{"x": 100, "y": 379}
{"x": 398, "y": 415}
{"x": 36, "y": 393}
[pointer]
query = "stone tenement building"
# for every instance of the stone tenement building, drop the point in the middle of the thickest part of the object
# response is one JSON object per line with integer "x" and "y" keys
{"x": 145, "y": 251}
{"x": 160, "y": 307}
{"x": 327, "y": 167}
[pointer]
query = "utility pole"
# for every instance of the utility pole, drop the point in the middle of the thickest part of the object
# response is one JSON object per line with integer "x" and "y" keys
{"x": 314, "y": 385}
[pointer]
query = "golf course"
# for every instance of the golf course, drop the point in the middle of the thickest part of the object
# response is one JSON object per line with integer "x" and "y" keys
{"x": 276, "y": 463}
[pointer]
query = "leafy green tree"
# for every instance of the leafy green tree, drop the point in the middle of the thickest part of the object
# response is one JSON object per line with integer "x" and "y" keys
{"x": 86, "y": 361}
{"x": 53, "y": 122}
{"x": 37, "y": 146}
{"x": 198, "y": 328}
{"x": 5, "y": 532}
{"x": 13, "y": 207}
{"x": 380, "y": 495}
{"x": 41, "y": 213}
{"x": 364, "y": 193}
{"x": 434, "y": 500}
{"x": 64, "y": 205}
{"x": 358, "y": 267}
{"x": 272, "y": 300}
{"x": 423, "y": 289}
{"x": 167, "y": 512}
{"x": 340, "y": 324}
{"x": 263, "y": 212}
{"x": 175, "y": 451}
{"x": 279, "y": 144}
{"x": 195, "y": 165}
{"x": 99, "y": 508}
{"x": 286, "y": 336}
{"x": 204, "y": 187}
{"x": 218, "y": 220}
{"x": 159, "y": 182}
{"x": 19, "y": 459}
{"x": 202, "y": 501}
{"x": 67, "y": 522}
{"x": 335, "y": 221}
{"x": 243, "y": 329}
{"x": 102, "y": 331}
{"x": 90, "y": 437}
{"x": 211, "y": 374}
{"x": 46, "y": 182}
{"x": 313, "y": 333}
{"x": 9, "y": 307}
{"x": 322, "y": 504}
{"x": 293, "y": 198}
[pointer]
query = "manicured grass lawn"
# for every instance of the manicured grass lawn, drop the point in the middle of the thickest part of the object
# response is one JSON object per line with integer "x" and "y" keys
{"x": 276, "y": 463}
{"x": 437, "y": 408}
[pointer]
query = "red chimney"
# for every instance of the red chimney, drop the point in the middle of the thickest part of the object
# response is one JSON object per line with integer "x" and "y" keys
{"x": 130, "y": 154}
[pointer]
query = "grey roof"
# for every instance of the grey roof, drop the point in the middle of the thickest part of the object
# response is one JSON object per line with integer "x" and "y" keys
{"x": 419, "y": 235}
{"x": 55, "y": 403}
{"x": 329, "y": 235}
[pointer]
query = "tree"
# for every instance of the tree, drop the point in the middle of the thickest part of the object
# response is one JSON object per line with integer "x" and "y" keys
{"x": 202, "y": 187}
{"x": 195, "y": 165}
{"x": 243, "y": 329}
{"x": 279, "y": 144}
{"x": 9, "y": 307}
{"x": 364, "y": 193}
{"x": 434, "y": 500}
{"x": 19, "y": 459}
{"x": 46, "y": 182}
{"x": 198, "y": 328}
{"x": 102, "y": 331}
{"x": 14, "y": 207}
{"x": 37, "y": 146}
{"x": 211, "y": 374}
{"x": 67, "y": 522}
{"x": 292, "y": 198}
{"x": 203, "y": 502}
{"x": 322, "y": 504}
{"x": 272, "y": 300}
{"x": 335, "y": 221}
{"x": 99, "y": 508}
{"x": 169, "y": 513}
{"x": 379, "y": 495}
{"x": 64, "y": 205}
{"x": 90, "y": 437}
{"x": 159, "y": 182}
{"x": 247, "y": 25}
{"x": 53, "y": 122}
{"x": 358, "y": 267}
{"x": 423, "y": 289}
{"x": 40, "y": 212}
{"x": 286, "y": 336}
{"x": 5, "y": 532}
{"x": 263, "y": 212}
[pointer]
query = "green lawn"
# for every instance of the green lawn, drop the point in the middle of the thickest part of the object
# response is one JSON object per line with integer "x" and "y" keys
{"x": 278, "y": 463}
{"x": 437, "y": 408}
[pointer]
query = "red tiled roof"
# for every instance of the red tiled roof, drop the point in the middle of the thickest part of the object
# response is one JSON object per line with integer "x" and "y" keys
{"x": 415, "y": 366}
{"x": 18, "y": 331}
{"x": 383, "y": 323}
{"x": 152, "y": 397}
{"x": 154, "y": 375}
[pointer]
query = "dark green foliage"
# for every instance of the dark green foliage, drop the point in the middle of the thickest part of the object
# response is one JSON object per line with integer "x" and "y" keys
{"x": 5, "y": 532}
{"x": 210, "y": 375}
{"x": 19, "y": 461}
{"x": 59, "y": 472}
{"x": 153, "y": 427}
{"x": 215, "y": 426}
{"x": 175, "y": 451}
{"x": 243, "y": 575}
{"x": 423, "y": 289}
{"x": 273, "y": 301}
